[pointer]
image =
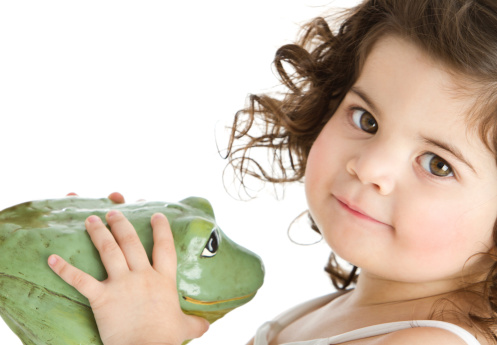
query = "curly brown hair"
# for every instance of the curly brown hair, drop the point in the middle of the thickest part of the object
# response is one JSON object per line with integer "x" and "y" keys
{"x": 322, "y": 66}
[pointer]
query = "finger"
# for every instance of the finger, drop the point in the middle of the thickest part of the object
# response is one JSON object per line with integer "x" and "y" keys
{"x": 81, "y": 281}
{"x": 197, "y": 326}
{"x": 111, "y": 255}
{"x": 163, "y": 254}
{"x": 116, "y": 197}
{"x": 128, "y": 241}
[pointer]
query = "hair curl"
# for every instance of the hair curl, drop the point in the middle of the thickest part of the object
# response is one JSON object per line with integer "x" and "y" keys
{"x": 321, "y": 67}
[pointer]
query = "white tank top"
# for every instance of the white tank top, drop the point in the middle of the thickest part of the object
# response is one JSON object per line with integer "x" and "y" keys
{"x": 266, "y": 332}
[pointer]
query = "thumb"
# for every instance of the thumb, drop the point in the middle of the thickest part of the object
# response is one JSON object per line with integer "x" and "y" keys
{"x": 197, "y": 326}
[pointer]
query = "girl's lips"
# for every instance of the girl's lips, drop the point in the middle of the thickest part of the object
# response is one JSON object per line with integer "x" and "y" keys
{"x": 356, "y": 211}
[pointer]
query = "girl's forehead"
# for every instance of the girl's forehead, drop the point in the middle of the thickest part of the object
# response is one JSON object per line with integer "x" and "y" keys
{"x": 401, "y": 72}
{"x": 403, "y": 69}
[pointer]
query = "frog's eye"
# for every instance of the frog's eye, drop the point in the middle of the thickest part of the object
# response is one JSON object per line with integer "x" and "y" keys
{"x": 212, "y": 245}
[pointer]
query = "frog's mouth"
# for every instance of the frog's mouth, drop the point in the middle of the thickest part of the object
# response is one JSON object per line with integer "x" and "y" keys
{"x": 196, "y": 301}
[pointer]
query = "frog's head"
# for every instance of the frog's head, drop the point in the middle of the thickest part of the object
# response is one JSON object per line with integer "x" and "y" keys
{"x": 215, "y": 275}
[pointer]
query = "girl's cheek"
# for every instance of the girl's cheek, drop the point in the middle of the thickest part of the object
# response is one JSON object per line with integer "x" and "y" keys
{"x": 427, "y": 228}
{"x": 316, "y": 168}
{"x": 447, "y": 235}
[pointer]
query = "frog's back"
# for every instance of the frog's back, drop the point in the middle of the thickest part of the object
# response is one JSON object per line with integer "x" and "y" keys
{"x": 32, "y": 231}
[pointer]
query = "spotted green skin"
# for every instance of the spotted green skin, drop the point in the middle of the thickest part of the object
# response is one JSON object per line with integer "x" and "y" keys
{"x": 42, "y": 309}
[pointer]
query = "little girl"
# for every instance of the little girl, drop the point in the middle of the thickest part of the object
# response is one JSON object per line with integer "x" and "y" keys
{"x": 390, "y": 120}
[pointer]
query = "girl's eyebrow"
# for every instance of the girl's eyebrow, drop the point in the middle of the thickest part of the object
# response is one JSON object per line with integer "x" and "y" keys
{"x": 450, "y": 149}
{"x": 365, "y": 98}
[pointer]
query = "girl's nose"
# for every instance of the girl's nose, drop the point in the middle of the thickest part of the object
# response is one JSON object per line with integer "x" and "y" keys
{"x": 376, "y": 166}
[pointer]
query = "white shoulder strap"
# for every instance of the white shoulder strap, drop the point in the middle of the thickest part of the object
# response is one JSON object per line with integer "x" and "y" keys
{"x": 385, "y": 328}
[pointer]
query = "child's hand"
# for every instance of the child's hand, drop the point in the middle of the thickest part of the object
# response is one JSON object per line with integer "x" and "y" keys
{"x": 138, "y": 303}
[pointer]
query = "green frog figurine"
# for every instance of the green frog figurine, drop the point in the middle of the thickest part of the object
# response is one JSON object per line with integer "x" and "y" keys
{"x": 214, "y": 274}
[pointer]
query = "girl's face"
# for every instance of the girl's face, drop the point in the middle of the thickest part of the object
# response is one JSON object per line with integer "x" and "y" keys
{"x": 396, "y": 181}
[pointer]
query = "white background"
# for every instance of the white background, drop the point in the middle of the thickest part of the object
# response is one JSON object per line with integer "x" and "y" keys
{"x": 103, "y": 96}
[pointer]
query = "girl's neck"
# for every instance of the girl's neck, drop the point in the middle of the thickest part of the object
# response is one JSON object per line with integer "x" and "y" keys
{"x": 372, "y": 290}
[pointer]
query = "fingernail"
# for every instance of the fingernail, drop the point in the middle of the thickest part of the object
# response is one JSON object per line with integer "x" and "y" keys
{"x": 94, "y": 219}
{"x": 52, "y": 260}
{"x": 158, "y": 216}
{"x": 112, "y": 212}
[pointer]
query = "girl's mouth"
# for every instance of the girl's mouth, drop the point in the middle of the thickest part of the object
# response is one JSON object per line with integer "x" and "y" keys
{"x": 356, "y": 211}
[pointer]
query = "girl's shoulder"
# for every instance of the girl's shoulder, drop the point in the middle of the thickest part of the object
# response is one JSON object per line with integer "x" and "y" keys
{"x": 409, "y": 336}
{"x": 419, "y": 336}
{"x": 412, "y": 336}
{"x": 424, "y": 332}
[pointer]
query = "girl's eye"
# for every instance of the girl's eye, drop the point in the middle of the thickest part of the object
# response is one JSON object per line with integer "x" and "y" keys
{"x": 435, "y": 165}
{"x": 364, "y": 121}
